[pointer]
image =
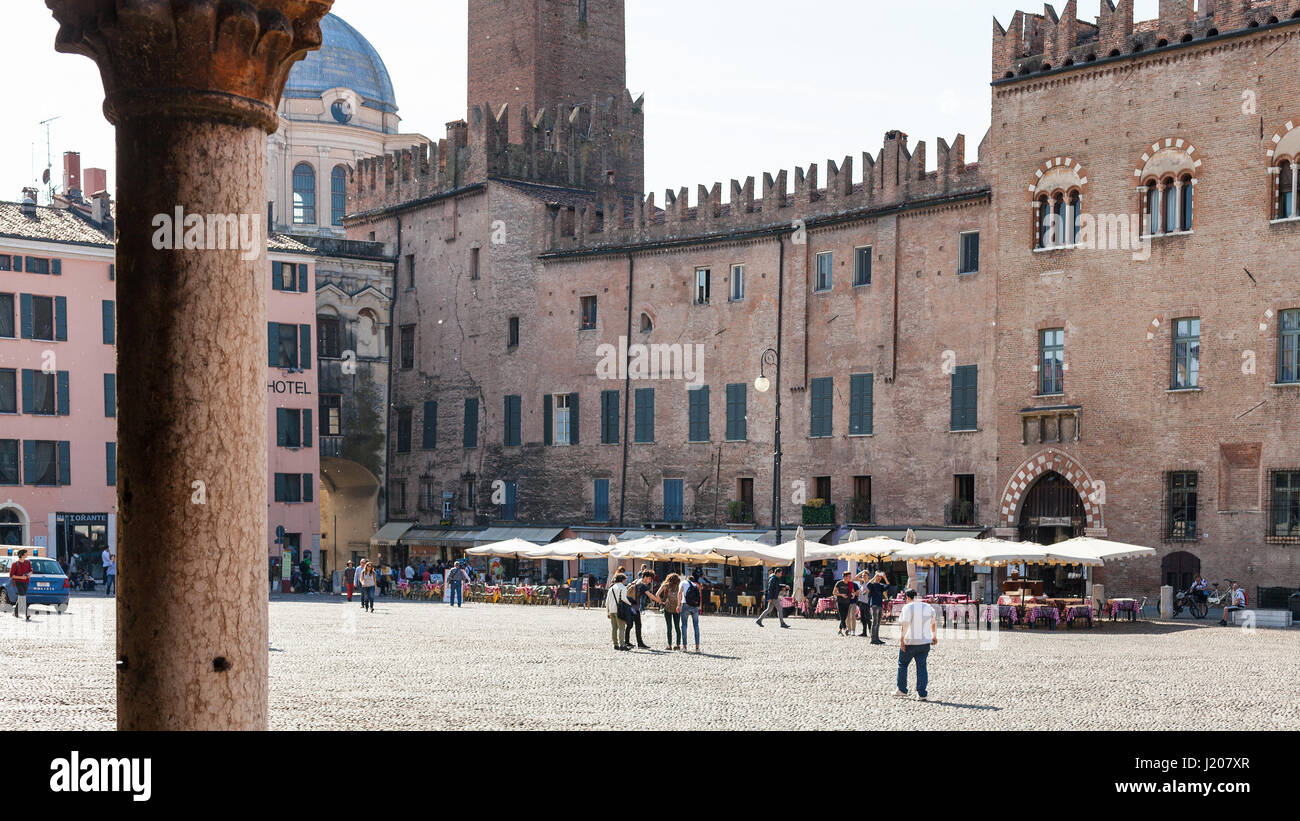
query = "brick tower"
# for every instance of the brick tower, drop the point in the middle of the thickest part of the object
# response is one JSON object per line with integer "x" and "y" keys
{"x": 544, "y": 53}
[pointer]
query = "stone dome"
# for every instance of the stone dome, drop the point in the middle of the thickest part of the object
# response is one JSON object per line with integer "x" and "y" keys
{"x": 344, "y": 60}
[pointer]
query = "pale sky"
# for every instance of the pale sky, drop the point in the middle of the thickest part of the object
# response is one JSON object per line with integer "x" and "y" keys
{"x": 733, "y": 88}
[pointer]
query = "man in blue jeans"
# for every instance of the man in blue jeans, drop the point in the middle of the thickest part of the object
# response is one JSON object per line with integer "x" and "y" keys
{"x": 692, "y": 598}
{"x": 916, "y": 637}
{"x": 456, "y": 578}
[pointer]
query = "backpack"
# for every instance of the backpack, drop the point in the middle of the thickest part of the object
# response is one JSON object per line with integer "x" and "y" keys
{"x": 692, "y": 595}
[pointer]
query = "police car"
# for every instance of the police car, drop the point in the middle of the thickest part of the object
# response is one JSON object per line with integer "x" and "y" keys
{"x": 48, "y": 585}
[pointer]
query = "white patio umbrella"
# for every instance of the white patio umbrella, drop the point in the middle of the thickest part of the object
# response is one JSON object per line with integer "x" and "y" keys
{"x": 753, "y": 554}
{"x": 875, "y": 548}
{"x": 567, "y": 550}
{"x": 511, "y": 548}
{"x": 1099, "y": 550}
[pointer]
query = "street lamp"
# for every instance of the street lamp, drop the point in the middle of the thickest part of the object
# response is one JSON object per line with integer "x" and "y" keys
{"x": 762, "y": 384}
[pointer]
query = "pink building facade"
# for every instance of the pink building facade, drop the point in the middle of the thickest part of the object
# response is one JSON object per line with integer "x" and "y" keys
{"x": 58, "y": 460}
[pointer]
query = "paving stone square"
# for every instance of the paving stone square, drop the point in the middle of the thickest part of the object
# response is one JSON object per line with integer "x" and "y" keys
{"x": 425, "y": 666}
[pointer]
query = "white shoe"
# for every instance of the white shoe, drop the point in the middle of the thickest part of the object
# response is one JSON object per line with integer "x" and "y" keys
{"x": 899, "y": 694}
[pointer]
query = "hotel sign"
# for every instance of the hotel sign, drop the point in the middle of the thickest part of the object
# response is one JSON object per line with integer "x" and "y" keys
{"x": 282, "y": 386}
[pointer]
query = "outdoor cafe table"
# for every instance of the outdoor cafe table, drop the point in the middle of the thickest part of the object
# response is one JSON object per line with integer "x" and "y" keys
{"x": 748, "y": 602}
{"x": 1077, "y": 611}
{"x": 1129, "y": 606}
{"x": 1041, "y": 612}
{"x": 716, "y": 601}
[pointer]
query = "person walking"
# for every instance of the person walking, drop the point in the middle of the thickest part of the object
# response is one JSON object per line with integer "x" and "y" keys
{"x": 876, "y": 590}
{"x": 670, "y": 593}
{"x": 692, "y": 598}
{"x": 772, "y": 598}
{"x": 369, "y": 581}
{"x": 864, "y": 601}
{"x": 349, "y": 579}
{"x": 20, "y": 573}
{"x": 640, "y": 594}
{"x": 916, "y": 637}
{"x": 110, "y": 575}
{"x": 455, "y": 581}
{"x": 845, "y": 594}
{"x": 618, "y": 609}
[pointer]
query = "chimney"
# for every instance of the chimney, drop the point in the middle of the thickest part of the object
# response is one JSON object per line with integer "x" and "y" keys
{"x": 94, "y": 180}
{"x": 28, "y": 207}
{"x": 72, "y": 175}
{"x": 99, "y": 205}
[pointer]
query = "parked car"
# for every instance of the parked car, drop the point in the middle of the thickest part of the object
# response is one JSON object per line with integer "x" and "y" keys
{"x": 48, "y": 586}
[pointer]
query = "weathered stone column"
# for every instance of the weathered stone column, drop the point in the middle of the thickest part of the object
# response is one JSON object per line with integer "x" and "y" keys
{"x": 193, "y": 89}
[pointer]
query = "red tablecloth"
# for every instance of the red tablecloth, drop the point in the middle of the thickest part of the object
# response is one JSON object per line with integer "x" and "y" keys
{"x": 1037, "y": 613}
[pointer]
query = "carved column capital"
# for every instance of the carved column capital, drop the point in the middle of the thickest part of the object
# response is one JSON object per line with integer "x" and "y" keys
{"x": 222, "y": 60}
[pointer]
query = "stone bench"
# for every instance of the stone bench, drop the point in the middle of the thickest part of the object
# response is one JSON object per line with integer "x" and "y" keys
{"x": 1262, "y": 618}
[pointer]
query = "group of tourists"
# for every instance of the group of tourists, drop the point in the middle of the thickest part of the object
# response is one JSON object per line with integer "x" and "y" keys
{"x": 681, "y": 599}
{"x": 862, "y": 600}
{"x": 369, "y": 580}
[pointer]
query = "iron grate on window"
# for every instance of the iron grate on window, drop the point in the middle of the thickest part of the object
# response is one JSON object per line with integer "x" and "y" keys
{"x": 1180, "y": 514}
{"x": 1284, "y": 506}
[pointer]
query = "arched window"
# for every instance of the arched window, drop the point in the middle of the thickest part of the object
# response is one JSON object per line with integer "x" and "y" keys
{"x": 11, "y": 527}
{"x": 1058, "y": 220}
{"x": 1044, "y": 222}
{"x": 1286, "y": 185}
{"x": 1153, "y": 208}
{"x": 304, "y": 195}
{"x": 1188, "y": 203}
{"x": 1167, "y": 177}
{"x": 338, "y": 194}
{"x": 1076, "y": 216}
{"x": 1169, "y": 203}
{"x": 647, "y": 324}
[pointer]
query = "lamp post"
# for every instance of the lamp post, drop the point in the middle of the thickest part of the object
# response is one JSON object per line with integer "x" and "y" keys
{"x": 763, "y": 385}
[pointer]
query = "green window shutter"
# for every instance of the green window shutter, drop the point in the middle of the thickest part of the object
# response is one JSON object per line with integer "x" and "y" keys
{"x": 29, "y": 462}
{"x": 302, "y": 278}
{"x": 737, "y": 399}
{"x": 307, "y": 481}
{"x": 821, "y": 406}
{"x": 965, "y": 397}
{"x": 698, "y": 407}
{"x": 308, "y": 435}
{"x": 548, "y": 421}
{"x": 109, "y": 329}
{"x": 65, "y": 463}
{"x": 110, "y": 463}
{"x": 29, "y": 391}
{"x": 609, "y": 432}
{"x": 470, "y": 435}
{"x": 861, "y": 400}
{"x": 573, "y": 418}
{"x": 279, "y": 487}
{"x": 304, "y": 347}
{"x": 275, "y": 276}
{"x": 110, "y": 394}
{"x": 56, "y": 267}
{"x": 645, "y": 415}
{"x": 18, "y": 264}
{"x": 272, "y": 344}
{"x": 25, "y": 309}
{"x": 430, "y": 425}
{"x": 512, "y": 414}
{"x": 64, "y": 406}
{"x": 61, "y": 318}
{"x": 281, "y": 427}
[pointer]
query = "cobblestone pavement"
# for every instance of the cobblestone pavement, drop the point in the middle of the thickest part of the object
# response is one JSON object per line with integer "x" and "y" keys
{"x": 425, "y": 666}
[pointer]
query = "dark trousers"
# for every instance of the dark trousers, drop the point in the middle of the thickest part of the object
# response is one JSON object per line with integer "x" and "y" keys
{"x": 110, "y": 582}
{"x": 635, "y": 622}
{"x": 864, "y": 615}
{"x": 843, "y": 606}
{"x": 919, "y": 652}
{"x": 674, "y": 623}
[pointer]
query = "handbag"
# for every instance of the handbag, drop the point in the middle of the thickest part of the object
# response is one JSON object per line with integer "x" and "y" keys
{"x": 624, "y": 610}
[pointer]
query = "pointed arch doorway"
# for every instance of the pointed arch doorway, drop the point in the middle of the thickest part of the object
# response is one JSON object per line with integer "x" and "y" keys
{"x": 1053, "y": 511}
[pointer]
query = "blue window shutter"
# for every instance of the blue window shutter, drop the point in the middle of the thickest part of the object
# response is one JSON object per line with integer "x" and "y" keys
{"x": 109, "y": 329}
{"x": 110, "y": 394}
{"x": 29, "y": 462}
{"x": 25, "y": 309}
{"x": 307, "y": 433}
{"x": 548, "y": 421}
{"x": 65, "y": 463}
{"x": 279, "y": 487}
{"x": 869, "y": 409}
{"x": 56, "y": 267}
{"x": 302, "y": 279}
{"x": 63, "y": 408}
{"x": 304, "y": 347}
{"x": 61, "y": 318}
{"x": 573, "y": 418}
{"x": 282, "y": 427}
{"x": 112, "y": 275}
{"x": 18, "y": 263}
{"x": 307, "y": 481}
{"x": 29, "y": 391}
{"x": 275, "y": 276}
{"x": 110, "y": 462}
{"x": 469, "y": 438}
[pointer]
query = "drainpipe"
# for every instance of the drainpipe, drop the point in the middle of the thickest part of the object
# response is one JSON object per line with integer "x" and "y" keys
{"x": 780, "y": 330}
{"x": 388, "y": 399}
{"x": 627, "y": 392}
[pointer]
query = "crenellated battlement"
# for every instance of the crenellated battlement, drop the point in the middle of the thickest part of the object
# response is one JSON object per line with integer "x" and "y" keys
{"x": 596, "y": 147}
{"x": 1035, "y": 43}
{"x": 895, "y": 176}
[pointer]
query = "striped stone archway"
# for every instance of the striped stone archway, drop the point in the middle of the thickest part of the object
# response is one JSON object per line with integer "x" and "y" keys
{"x": 1032, "y": 469}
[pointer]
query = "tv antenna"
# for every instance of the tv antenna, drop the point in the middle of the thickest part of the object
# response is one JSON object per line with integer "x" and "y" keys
{"x": 47, "y": 177}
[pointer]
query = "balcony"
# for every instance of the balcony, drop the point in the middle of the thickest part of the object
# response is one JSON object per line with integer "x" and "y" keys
{"x": 961, "y": 513}
{"x": 331, "y": 447}
{"x": 668, "y": 516}
{"x": 817, "y": 512}
{"x": 860, "y": 511}
{"x": 740, "y": 513}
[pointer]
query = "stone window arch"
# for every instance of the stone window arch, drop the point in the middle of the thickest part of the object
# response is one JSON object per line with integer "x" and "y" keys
{"x": 1283, "y": 156}
{"x": 1091, "y": 492}
{"x": 1166, "y": 177}
{"x": 1057, "y": 195}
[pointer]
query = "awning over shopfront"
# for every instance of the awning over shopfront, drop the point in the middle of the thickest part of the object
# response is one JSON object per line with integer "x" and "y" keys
{"x": 922, "y": 534}
{"x": 691, "y": 535}
{"x": 811, "y": 535}
{"x": 536, "y": 535}
{"x": 390, "y": 534}
{"x": 424, "y": 537}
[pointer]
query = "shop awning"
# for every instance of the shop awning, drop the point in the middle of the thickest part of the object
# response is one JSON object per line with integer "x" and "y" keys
{"x": 390, "y": 534}
{"x": 922, "y": 534}
{"x": 810, "y": 535}
{"x": 536, "y": 535}
{"x": 423, "y": 537}
{"x": 691, "y": 535}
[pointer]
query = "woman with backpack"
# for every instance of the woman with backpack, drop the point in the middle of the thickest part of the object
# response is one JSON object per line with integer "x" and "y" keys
{"x": 618, "y": 608}
{"x": 692, "y": 597}
{"x": 670, "y": 593}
